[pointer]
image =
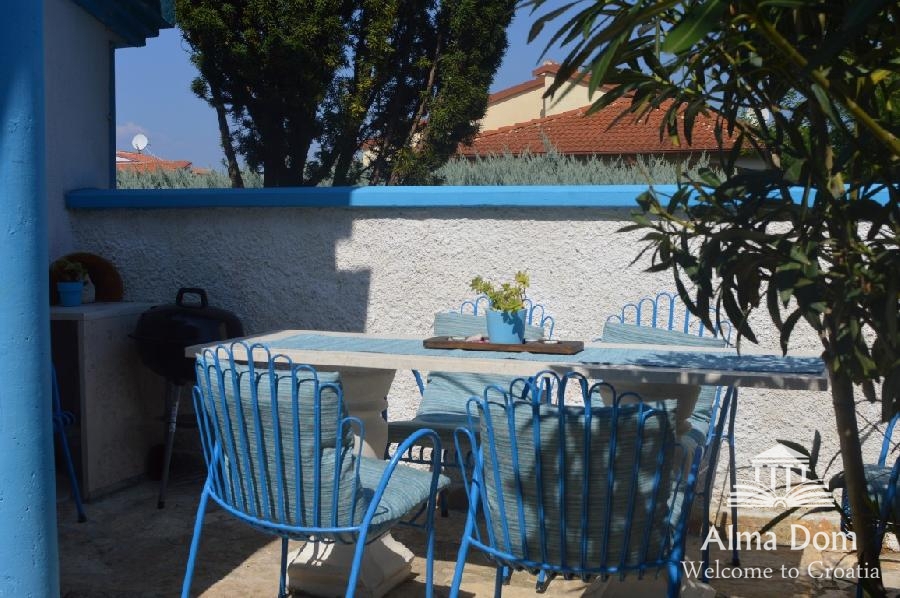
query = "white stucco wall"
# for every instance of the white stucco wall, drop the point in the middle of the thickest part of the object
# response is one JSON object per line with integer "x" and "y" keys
{"x": 78, "y": 111}
{"x": 390, "y": 270}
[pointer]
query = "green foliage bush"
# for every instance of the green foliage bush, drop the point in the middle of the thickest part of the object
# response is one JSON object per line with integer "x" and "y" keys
{"x": 181, "y": 179}
{"x": 552, "y": 168}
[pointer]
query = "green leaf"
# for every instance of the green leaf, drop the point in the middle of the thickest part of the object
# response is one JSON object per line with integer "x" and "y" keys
{"x": 787, "y": 328}
{"x": 824, "y": 101}
{"x": 696, "y": 23}
{"x": 795, "y": 170}
{"x": 601, "y": 66}
{"x": 539, "y": 24}
{"x": 773, "y": 305}
{"x": 868, "y": 388}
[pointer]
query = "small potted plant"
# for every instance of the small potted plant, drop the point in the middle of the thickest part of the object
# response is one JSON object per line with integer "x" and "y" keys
{"x": 506, "y": 316}
{"x": 70, "y": 277}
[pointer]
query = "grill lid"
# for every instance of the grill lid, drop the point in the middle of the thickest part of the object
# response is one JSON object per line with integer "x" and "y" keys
{"x": 163, "y": 332}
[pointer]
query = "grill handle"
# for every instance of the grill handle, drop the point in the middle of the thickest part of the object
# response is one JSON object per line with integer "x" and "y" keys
{"x": 179, "y": 300}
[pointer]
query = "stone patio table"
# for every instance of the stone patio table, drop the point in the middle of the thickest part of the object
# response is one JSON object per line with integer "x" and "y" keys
{"x": 368, "y": 362}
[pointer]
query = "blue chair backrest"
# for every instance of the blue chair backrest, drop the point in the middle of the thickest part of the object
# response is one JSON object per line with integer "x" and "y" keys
{"x": 276, "y": 437}
{"x": 663, "y": 320}
{"x": 586, "y": 487}
{"x": 886, "y": 441}
{"x": 447, "y": 392}
{"x": 666, "y": 311}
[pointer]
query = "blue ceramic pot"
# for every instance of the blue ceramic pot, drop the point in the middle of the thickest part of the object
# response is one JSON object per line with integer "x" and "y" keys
{"x": 506, "y": 327}
{"x": 70, "y": 293}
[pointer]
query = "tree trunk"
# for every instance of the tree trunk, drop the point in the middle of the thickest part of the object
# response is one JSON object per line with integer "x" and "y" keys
{"x": 234, "y": 171}
{"x": 414, "y": 133}
{"x": 864, "y": 520}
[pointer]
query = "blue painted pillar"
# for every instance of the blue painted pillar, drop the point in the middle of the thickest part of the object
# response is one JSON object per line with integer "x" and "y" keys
{"x": 29, "y": 559}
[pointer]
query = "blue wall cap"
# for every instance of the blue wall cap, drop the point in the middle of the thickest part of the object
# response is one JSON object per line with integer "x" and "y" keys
{"x": 556, "y": 196}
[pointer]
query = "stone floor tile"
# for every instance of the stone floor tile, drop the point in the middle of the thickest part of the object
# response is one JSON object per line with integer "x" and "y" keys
{"x": 128, "y": 547}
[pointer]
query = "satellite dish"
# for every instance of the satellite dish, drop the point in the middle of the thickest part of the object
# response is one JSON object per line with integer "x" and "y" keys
{"x": 139, "y": 142}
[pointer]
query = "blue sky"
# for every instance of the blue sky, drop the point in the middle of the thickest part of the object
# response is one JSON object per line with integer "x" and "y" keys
{"x": 153, "y": 93}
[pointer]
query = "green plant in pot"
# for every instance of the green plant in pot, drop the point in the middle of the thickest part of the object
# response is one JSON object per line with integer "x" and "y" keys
{"x": 507, "y": 314}
{"x": 70, "y": 277}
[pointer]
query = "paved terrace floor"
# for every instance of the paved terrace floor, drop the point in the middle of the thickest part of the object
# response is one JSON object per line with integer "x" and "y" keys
{"x": 130, "y": 548}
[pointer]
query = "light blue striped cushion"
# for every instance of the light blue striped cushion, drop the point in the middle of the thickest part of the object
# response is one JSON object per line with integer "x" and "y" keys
{"x": 456, "y": 324}
{"x": 448, "y": 393}
{"x": 877, "y": 478}
{"x": 606, "y": 509}
{"x": 705, "y": 401}
{"x": 443, "y": 405}
{"x": 617, "y": 332}
{"x": 253, "y": 477}
{"x": 407, "y": 489}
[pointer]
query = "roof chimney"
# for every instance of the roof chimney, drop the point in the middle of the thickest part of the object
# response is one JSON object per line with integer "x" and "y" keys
{"x": 549, "y": 67}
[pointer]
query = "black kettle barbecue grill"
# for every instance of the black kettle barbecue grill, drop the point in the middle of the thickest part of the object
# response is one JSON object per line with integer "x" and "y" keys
{"x": 162, "y": 334}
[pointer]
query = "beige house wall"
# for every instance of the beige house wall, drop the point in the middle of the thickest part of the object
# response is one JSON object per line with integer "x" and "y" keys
{"x": 532, "y": 104}
{"x": 515, "y": 109}
{"x": 576, "y": 98}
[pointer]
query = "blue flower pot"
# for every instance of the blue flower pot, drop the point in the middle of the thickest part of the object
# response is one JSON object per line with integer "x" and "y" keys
{"x": 70, "y": 293}
{"x": 506, "y": 327}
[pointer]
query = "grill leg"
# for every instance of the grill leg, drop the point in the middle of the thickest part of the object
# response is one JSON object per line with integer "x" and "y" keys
{"x": 173, "y": 396}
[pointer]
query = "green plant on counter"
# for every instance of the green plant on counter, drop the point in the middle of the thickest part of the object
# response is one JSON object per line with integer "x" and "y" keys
{"x": 507, "y": 296}
{"x": 69, "y": 271}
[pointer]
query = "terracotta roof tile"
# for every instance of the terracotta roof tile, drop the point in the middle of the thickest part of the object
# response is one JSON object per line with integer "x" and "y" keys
{"x": 574, "y": 133}
{"x": 515, "y": 90}
{"x": 134, "y": 161}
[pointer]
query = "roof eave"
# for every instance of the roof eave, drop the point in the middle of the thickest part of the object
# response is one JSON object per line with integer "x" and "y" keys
{"x": 133, "y": 21}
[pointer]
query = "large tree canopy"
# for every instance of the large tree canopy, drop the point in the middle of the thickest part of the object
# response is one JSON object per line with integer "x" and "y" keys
{"x": 405, "y": 79}
{"x": 812, "y": 87}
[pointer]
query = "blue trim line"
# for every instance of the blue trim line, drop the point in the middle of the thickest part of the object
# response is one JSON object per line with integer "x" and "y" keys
{"x": 575, "y": 196}
{"x": 611, "y": 196}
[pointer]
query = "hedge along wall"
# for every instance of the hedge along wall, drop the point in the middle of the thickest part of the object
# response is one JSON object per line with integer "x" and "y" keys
{"x": 388, "y": 269}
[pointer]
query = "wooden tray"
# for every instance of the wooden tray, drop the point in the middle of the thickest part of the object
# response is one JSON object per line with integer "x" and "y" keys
{"x": 558, "y": 348}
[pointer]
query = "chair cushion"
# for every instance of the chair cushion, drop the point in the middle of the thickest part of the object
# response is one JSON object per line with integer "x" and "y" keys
{"x": 444, "y": 424}
{"x": 449, "y": 392}
{"x": 407, "y": 489}
{"x": 443, "y": 404}
{"x": 636, "y": 492}
{"x": 617, "y": 332}
{"x": 877, "y": 478}
{"x": 692, "y": 399}
{"x": 453, "y": 323}
{"x": 250, "y": 479}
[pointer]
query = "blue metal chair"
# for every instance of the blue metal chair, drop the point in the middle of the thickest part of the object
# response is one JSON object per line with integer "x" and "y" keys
{"x": 881, "y": 483}
{"x": 667, "y": 312}
{"x": 281, "y": 456}
{"x": 443, "y": 404}
{"x": 664, "y": 320}
{"x": 62, "y": 420}
{"x": 575, "y": 490}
